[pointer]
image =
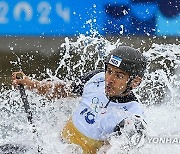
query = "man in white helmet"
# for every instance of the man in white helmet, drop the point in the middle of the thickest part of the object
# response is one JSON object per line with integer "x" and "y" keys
{"x": 107, "y": 103}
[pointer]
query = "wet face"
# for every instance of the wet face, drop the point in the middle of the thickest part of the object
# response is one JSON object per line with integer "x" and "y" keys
{"x": 115, "y": 81}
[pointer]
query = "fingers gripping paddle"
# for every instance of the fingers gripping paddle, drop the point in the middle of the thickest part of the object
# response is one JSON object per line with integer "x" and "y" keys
{"x": 27, "y": 107}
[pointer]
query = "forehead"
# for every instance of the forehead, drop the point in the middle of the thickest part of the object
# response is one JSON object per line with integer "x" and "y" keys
{"x": 116, "y": 69}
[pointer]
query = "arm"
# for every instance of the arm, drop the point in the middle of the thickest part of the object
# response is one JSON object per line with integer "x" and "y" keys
{"x": 54, "y": 89}
{"x": 51, "y": 89}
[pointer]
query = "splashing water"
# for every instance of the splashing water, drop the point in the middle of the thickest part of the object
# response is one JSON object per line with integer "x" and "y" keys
{"x": 159, "y": 94}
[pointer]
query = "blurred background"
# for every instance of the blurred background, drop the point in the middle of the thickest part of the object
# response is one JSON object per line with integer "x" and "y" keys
{"x": 32, "y": 31}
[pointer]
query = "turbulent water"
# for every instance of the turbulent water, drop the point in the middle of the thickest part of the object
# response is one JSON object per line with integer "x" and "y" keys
{"x": 158, "y": 93}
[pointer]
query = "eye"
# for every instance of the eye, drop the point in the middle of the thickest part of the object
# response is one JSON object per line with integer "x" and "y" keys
{"x": 119, "y": 76}
{"x": 109, "y": 71}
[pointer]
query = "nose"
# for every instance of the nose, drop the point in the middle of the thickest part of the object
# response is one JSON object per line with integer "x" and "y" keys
{"x": 109, "y": 79}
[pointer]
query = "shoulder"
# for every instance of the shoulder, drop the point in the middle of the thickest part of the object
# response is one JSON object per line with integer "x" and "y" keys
{"x": 92, "y": 75}
{"x": 78, "y": 85}
{"x": 98, "y": 77}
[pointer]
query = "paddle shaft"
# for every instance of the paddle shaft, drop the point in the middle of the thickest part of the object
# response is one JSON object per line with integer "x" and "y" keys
{"x": 28, "y": 111}
{"x": 26, "y": 103}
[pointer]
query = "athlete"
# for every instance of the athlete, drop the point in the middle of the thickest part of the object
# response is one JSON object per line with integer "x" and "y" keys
{"x": 107, "y": 106}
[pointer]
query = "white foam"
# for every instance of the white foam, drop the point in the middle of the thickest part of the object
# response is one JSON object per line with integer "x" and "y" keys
{"x": 161, "y": 104}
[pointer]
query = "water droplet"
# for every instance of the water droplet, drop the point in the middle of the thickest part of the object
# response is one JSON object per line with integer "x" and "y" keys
{"x": 11, "y": 48}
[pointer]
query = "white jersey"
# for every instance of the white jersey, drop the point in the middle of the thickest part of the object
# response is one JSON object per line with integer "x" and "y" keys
{"x": 91, "y": 117}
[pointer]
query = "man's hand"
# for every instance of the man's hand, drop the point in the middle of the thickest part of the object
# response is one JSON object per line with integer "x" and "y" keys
{"x": 134, "y": 129}
{"x": 21, "y": 78}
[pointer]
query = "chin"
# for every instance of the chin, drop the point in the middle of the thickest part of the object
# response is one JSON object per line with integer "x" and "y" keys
{"x": 109, "y": 94}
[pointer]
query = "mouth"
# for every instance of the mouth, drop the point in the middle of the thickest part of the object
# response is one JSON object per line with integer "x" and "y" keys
{"x": 109, "y": 89}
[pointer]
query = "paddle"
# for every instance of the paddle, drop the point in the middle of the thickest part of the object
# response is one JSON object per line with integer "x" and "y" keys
{"x": 25, "y": 101}
{"x": 17, "y": 148}
{"x": 27, "y": 108}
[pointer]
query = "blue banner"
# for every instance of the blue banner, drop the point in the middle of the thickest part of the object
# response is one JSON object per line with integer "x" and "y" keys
{"x": 73, "y": 17}
{"x": 57, "y": 17}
